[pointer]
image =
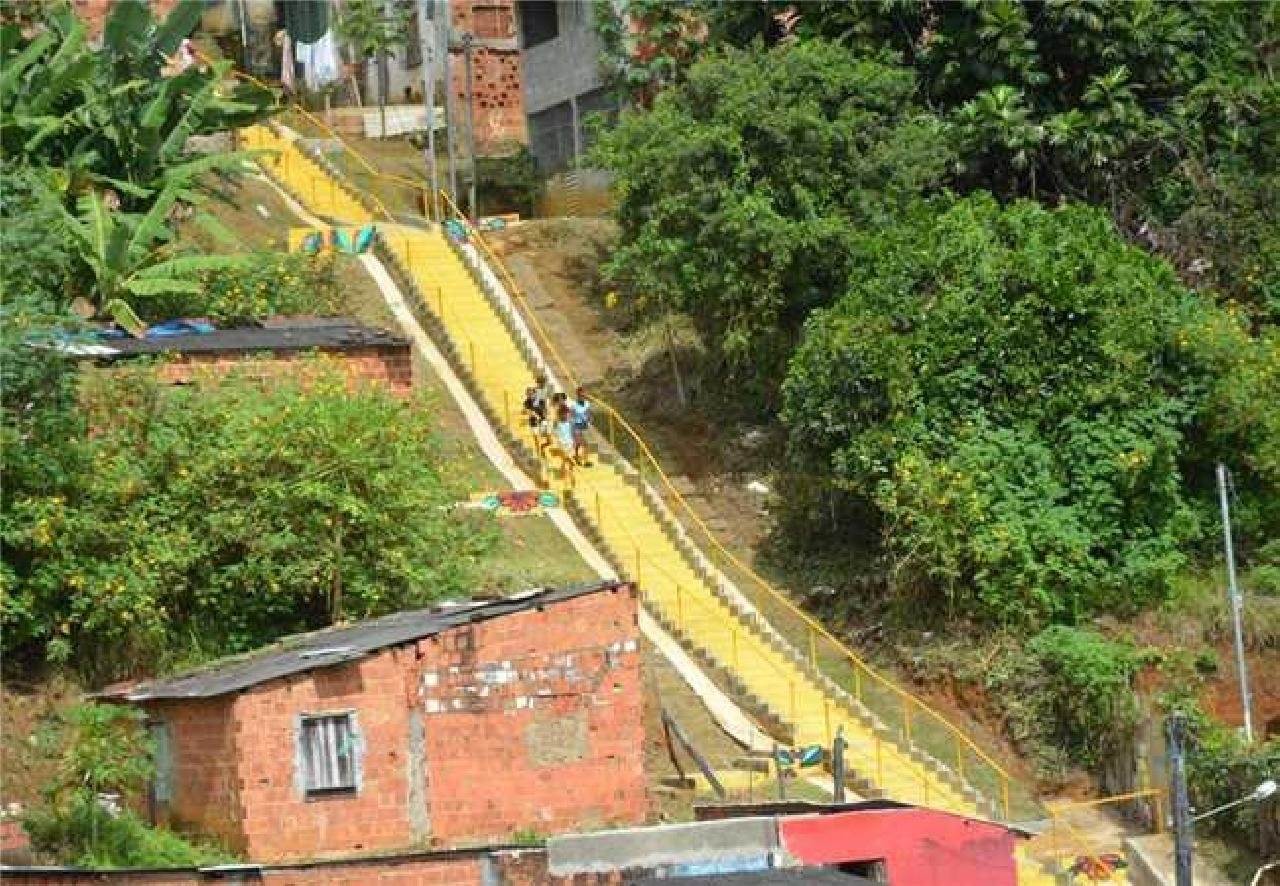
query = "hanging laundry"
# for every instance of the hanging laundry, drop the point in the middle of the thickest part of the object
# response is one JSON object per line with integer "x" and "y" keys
{"x": 286, "y": 62}
{"x": 320, "y": 62}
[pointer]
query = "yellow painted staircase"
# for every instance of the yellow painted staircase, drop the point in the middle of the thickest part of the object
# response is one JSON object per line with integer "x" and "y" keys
{"x": 790, "y": 697}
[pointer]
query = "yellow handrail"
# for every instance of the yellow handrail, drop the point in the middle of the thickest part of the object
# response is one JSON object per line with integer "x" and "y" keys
{"x": 907, "y": 698}
{"x": 912, "y": 768}
{"x": 1082, "y": 846}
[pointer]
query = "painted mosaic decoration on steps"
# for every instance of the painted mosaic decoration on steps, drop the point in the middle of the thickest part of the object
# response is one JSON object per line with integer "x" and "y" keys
{"x": 442, "y": 273}
{"x": 515, "y": 502}
{"x": 313, "y": 241}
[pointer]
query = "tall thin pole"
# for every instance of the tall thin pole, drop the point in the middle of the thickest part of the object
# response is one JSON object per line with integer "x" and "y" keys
{"x": 1182, "y": 822}
{"x": 471, "y": 122}
{"x": 1237, "y": 606}
{"x": 450, "y": 118}
{"x": 427, "y": 36}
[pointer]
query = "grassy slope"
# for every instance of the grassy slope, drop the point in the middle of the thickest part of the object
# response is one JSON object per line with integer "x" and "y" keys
{"x": 532, "y": 551}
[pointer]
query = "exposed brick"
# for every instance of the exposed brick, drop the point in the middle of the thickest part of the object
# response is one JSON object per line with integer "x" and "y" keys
{"x": 532, "y": 722}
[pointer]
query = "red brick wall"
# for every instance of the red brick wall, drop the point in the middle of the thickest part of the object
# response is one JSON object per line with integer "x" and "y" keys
{"x": 530, "y": 722}
{"x": 497, "y": 85}
{"x": 94, "y": 12}
{"x": 533, "y": 721}
{"x": 203, "y": 742}
{"x": 279, "y": 821}
{"x": 392, "y": 368}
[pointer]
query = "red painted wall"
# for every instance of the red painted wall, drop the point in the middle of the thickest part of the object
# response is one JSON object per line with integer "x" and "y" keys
{"x": 920, "y": 847}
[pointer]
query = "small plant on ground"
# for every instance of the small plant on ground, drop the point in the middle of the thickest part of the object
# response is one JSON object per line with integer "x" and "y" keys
{"x": 104, "y": 762}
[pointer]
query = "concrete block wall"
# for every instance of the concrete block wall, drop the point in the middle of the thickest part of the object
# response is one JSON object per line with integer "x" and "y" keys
{"x": 533, "y": 722}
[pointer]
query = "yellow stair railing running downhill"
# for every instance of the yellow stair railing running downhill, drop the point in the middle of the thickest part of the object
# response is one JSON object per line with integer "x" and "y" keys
{"x": 677, "y": 595}
{"x": 806, "y": 703}
{"x": 914, "y": 718}
{"x": 625, "y": 521}
{"x": 791, "y": 691}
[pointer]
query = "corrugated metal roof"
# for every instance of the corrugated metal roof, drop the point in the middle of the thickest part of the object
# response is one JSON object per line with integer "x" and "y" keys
{"x": 304, "y": 652}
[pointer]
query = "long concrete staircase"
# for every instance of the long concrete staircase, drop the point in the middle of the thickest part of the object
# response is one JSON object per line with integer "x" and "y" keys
{"x": 489, "y": 344}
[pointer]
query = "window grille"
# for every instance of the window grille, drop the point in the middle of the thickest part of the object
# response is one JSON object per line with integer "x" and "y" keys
{"x": 329, "y": 753}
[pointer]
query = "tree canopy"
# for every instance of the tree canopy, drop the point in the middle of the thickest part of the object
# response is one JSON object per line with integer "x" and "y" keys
{"x": 216, "y": 517}
{"x": 1017, "y": 395}
{"x": 739, "y": 189}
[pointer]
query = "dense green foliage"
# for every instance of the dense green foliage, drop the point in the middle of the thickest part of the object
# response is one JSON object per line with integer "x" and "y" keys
{"x": 102, "y": 750}
{"x": 739, "y": 190}
{"x": 1221, "y": 769}
{"x": 264, "y": 284}
{"x": 1089, "y": 690}
{"x": 106, "y": 118}
{"x": 1168, "y": 113}
{"x": 217, "y": 517}
{"x": 98, "y": 139}
{"x": 1014, "y": 389}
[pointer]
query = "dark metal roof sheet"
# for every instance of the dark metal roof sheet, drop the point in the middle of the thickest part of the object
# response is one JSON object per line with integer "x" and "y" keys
{"x": 304, "y": 652}
{"x": 813, "y": 876}
{"x": 288, "y": 334}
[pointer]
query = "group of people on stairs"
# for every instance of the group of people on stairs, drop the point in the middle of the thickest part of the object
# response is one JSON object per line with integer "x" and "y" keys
{"x": 559, "y": 424}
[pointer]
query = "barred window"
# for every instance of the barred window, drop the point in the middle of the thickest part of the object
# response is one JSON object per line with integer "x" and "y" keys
{"x": 330, "y": 754}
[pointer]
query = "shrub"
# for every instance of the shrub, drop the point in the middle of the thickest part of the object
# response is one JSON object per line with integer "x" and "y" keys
{"x": 1032, "y": 408}
{"x": 509, "y": 184}
{"x": 103, "y": 750}
{"x": 1090, "y": 683}
{"x": 266, "y": 284}
{"x": 232, "y": 514}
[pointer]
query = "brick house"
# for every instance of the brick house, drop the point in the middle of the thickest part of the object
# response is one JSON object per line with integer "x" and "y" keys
{"x": 274, "y": 349}
{"x": 460, "y": 724}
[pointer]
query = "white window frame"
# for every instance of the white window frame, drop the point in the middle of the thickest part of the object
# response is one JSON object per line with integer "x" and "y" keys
{"x": 320, "y": 768}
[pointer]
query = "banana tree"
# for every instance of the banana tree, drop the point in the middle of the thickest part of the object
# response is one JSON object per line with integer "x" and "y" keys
{"x": 127, "y": 256}
{"x": 108, "y": 116}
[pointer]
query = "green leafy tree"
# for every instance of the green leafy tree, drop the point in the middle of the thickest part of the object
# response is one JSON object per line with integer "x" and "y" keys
{"x": 374, "y": 28}
{"x": 1014, "y": 393}
{"x": 216, "y": 517}
{"x": 739, "y": 191}
{"x": 1165, "y": 112}
{"x": 108, "y": 117}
